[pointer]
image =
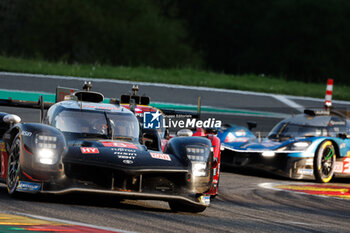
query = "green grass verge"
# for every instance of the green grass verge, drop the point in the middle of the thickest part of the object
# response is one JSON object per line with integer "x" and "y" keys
{"x": 175, "y": 76}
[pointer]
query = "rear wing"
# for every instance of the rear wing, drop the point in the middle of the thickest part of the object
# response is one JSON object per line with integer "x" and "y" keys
{"x": 40, "y": 104}
{"x": 61, "y": 92}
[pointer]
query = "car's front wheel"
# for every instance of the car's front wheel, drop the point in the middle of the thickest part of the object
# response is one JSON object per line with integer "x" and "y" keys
{"x": 13, "y": 167}
{"x": 324, "y": 162}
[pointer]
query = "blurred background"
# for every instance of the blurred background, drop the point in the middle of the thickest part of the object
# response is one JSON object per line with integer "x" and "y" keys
{"x": 304, "y": 40}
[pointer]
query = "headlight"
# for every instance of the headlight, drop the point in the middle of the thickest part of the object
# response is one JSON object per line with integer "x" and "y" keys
{"x": 268, "y": 153}
{"x": 196, "y": 153}
{"x": 46, "y": 141}
{"x": 47, "y": 156}
{"x": 46, "y": 145}
{"x": 296, "y": 146}
{"x": 300, "y": 145}
{"x": 198, "y": 168}
{"x": 198, "y": 156}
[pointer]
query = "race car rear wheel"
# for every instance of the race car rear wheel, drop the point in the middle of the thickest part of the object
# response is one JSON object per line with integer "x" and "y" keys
{"x": 324, "y": 162}
{"x": 176, "y": 206}
{"x": 13, "y": 168}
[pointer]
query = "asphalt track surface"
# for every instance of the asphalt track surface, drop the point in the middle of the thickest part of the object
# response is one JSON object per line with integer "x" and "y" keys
{"x": 241, "y": 206}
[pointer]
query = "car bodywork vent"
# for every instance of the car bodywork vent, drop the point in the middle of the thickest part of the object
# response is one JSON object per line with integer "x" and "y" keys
{"x": 89, "y": 96}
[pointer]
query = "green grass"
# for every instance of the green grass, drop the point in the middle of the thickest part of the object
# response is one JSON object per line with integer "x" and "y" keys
{"x": 175, "y": 76}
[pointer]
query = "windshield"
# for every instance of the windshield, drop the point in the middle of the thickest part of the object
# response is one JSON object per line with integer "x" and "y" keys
{"x": 287, "y": 130}
{"x": 99, "y": 124}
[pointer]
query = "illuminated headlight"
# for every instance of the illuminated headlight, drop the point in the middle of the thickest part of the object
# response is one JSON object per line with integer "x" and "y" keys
{"x": 296, "y": 146}
{"x": 198, "y": 168}
{"x": 268, "y": 154}
{"x": 46, "y": 149}
{"x": 48, "y": 142}
{"x": 196, "y": 153}
{"x": 47, "y": 156}
{"x": 300, "y": 145}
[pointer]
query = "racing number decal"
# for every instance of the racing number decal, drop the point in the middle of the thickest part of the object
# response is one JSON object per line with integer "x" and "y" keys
{"x": 346, "y": 165}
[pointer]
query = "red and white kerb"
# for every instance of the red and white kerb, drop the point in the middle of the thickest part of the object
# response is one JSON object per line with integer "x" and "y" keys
{"x": 329, "y": 93}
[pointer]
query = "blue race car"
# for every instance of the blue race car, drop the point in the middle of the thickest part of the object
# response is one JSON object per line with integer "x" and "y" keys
{"x": 313, "y": 145}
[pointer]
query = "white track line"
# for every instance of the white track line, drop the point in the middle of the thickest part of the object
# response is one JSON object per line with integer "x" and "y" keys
{"x": 161, "y": 85}
{"x": 284, "y": 99}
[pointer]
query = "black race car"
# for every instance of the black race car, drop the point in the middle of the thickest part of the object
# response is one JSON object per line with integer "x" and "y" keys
{"x": 84, "y": 145}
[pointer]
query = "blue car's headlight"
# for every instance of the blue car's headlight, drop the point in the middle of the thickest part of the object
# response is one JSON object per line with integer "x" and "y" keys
{"x": 296, "y": 146}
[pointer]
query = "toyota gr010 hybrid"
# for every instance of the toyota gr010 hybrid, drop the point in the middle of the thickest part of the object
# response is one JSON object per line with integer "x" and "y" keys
{"x": 313, "y": 145}
{"x": 84, "y": 145}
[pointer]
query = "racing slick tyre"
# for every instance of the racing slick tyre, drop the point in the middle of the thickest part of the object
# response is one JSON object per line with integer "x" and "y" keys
{"x": 176, "y": 206}
{"x": 324, "y": 162}
{"x": 13, "y": 167}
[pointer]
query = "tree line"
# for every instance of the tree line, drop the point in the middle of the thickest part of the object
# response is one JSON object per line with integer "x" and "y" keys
{"x": 293, "y": 39}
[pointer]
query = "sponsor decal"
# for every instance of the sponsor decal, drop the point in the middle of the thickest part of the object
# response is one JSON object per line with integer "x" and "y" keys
{"x": 125, "y": 153}
{"x": 26, "y": 133}
{"x": 336, "y": 123}
{"x": 89, "y": 150}
{"x": 128, "y": 161}
{"x": 28, "y": 186}
{"x": 306, "y": 171}
{"x": 121, "y": 149}
{"x": 160, "y": 156}
{"x": 204, "y": 200}
{"x": 119, "y": 144}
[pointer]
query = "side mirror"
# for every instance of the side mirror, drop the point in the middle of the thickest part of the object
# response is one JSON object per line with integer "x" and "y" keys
{"x": 251, "y": 125}
{"x": 11, "y": 119}
{"x": 342, "y": 135}
{"x": 132, "y": 105}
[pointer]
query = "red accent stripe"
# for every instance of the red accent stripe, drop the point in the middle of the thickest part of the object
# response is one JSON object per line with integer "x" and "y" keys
{"x": 330, "y": 82}
{"x": 29, "y": 177}
{"x": 329, "y": 92}
{"x": 24, "y": 147}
